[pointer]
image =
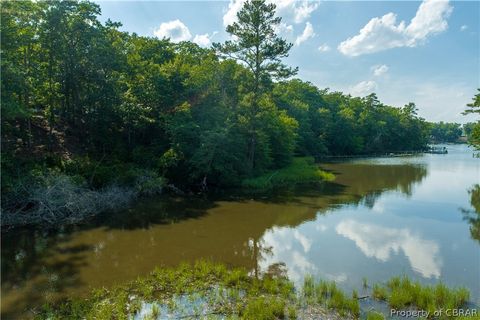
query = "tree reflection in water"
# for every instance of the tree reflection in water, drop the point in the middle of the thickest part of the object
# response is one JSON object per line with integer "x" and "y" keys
{"x": 473, "y": 216}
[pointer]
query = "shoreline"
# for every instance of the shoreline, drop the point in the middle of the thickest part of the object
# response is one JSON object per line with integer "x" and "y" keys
{"x": 207, "y": 289}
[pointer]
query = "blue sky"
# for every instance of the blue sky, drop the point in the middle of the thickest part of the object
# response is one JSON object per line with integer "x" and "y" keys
{"x": 425, "y": 52}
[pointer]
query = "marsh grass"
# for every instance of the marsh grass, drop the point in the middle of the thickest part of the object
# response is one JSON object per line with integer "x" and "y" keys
{"x": 403, "y": 293}
{"x": 197, "y": 290}
{"x": 379, "y": 292}
{"x": 302, "y": 170}
{"x": 329, "y": 295}
{"x": 208, "y": 290}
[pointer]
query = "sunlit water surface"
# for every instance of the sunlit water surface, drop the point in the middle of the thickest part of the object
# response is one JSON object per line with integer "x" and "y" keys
{"x": 381, "y": 217}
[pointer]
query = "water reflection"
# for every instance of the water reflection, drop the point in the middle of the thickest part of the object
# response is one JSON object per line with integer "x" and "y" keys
{"x": 473, "y": 216}
{"x": 380, "y": 242}
{"x": 287, "y": 246}
{"x": 297, "y": 232}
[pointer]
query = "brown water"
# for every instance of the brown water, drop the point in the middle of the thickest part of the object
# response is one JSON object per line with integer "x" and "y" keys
{"x": 381, "y": 217}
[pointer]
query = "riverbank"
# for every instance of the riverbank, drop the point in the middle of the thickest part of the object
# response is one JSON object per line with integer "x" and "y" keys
{"x": 56, "y": 198}
{"x": 208, "y": 290}
{"x": 53, "y": 198}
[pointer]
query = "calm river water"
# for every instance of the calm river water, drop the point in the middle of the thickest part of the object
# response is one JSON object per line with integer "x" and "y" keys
{"x": 381, "y": 217}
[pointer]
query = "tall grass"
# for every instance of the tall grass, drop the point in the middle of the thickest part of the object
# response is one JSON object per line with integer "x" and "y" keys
{"x": 328, "y": 294}
{"x": 301, "y": 170}
{"x": 401, "y": 293}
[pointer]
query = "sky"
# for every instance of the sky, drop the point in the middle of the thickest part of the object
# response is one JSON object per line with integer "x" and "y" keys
{"x": 426, "y": 52}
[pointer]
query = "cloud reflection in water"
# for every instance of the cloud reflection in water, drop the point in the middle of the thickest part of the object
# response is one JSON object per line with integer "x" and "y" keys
{"x": 379, "y": 242}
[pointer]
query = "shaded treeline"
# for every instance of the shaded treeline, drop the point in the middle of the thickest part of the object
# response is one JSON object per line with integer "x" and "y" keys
{"x": 103, "y": 105}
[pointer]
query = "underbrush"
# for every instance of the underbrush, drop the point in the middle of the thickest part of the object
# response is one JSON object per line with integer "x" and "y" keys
{"x": 73, "y": 191}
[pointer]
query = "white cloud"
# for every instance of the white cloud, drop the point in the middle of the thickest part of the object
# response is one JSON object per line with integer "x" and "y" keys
{"x": 379, "y": 70}
{"x": 230, "y": 15}
{"x": 363, "y": 88}
{"x": 384, "y": 33}
{"x": 297, "y": 11}
{"x": 304, "y": 241}
{"x": 175, "y": 30}
{"x": 464, "y": 27}
{"x": 306, "y": 34}
{"x": 435, "y": 101}
{"x": 303, "y": 11}
{"x": 324, "y": 48}
{"x": 284, "y": 28}
{"x": 379, "y": 242}
{"x": 204, "y": 40}
{"x": 284, "y": 244}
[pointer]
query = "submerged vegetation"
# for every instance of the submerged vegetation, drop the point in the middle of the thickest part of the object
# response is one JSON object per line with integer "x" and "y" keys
{"x": 208, "y": 290}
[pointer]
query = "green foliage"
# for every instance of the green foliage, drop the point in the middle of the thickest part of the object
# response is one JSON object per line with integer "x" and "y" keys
{"x": 256, "y": 43}
{"x": 473, "y": 133}
{"x": 445, "y": 132}
{"x": 301, "y": 170}
{"x": 474, "y": 136}
{"x": 474, "y": 107}
{"x": 301, "y": 101}
{"x": 121, "y": 109}
{"x": 100, "y": 175}
{"x": 257, "y": 46}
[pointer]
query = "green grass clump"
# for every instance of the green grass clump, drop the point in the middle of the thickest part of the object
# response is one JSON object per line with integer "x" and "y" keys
{"x": 379, "y": 292}
{"x": 264, "y": 308}
{"x": 328, "y": 294}
{"x": 301, "y": 170}
{"x": 402, "y": 293}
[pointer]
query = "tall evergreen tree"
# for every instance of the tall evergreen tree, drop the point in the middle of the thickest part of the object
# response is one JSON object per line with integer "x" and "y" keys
{"x": 255, "y": 44}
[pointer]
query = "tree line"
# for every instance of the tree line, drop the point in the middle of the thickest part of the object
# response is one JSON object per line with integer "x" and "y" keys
{"x": 90, "y": 100}
{"x": 450, "y": 131}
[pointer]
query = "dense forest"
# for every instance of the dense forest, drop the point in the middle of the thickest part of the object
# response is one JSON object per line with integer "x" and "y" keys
{"x": 441, "y": 132}
{"x": 93, "y": 107}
